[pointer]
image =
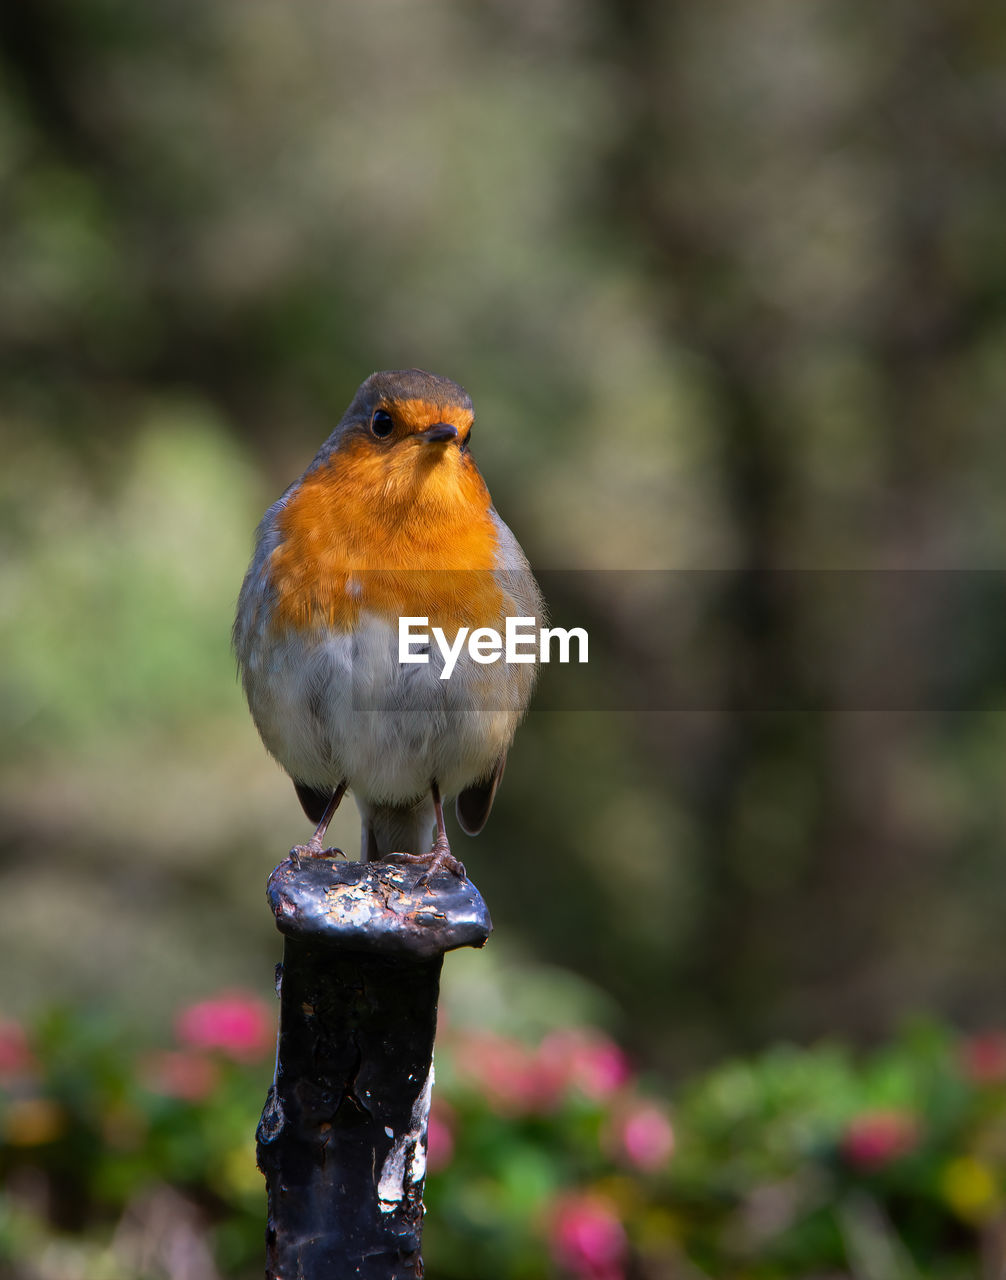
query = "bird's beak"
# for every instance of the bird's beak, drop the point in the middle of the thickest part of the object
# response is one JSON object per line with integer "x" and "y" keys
{"x": 439, "y": 433}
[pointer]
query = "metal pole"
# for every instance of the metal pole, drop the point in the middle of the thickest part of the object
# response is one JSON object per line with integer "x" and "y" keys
{"x": 342, "y": 1139}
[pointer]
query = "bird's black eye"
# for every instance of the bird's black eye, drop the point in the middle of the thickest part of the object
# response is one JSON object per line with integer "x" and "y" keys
{"x": 382, "y": 424}
{"x": 467, "y": 440}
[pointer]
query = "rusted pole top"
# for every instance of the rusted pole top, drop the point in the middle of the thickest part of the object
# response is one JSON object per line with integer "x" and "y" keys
{"x": 342, "y": 1139}
{"x": 374, "y": 907}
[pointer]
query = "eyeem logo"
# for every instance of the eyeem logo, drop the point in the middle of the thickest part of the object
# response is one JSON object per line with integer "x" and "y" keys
{"x": 521, "y": 642}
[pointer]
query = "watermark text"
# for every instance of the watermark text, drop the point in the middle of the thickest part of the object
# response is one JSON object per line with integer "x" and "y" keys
{"x": 522, "y": 641}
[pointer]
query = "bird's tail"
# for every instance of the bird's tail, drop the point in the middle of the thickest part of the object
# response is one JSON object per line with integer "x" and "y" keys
{"x": 393, "y": 829}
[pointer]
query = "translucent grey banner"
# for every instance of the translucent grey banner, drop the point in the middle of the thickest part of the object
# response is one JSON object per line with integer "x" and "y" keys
{"x": 781, "y": 639}
{"x": 690, "y": 640}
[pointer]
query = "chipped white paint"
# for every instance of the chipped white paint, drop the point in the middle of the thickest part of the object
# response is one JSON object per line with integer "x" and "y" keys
{"x": 389, "y": 1131}
{"x": 417, "y": 1163}
{"x": 353, "y": 903}
{"x": 407, "y": 1154}
{"x": 391, "y": 1187}
{"x": 358, "y": 906}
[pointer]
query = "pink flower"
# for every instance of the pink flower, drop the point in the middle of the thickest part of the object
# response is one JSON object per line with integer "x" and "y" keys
{"x": 877, "y": 1138}
{"x": 439, "y": 1136}
{"x": 588, "y": 1061}
{"x": 238, "y": 1025}
{"x": 16, "y": 1057}
{"x": 520, "y": 1079}
{"x": 180, "y": 1073}
{"x": 587, "y": 1238}
{"x": 643, "y": 1135}
{"x": 513, "y": 1076}
{"x": 983, "y": 1057}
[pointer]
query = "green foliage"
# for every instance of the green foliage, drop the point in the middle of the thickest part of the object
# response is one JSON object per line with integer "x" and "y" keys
{"x": 111, "y": 623}
{"x": 546, "y": 1159}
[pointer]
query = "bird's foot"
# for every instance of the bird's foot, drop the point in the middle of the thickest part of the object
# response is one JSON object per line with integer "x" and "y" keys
{"x": 439, "y": 858}
{"x": 313, "y": 849}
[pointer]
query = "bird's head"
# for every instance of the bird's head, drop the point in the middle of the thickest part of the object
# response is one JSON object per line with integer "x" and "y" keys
{"x": 393, "y": 488}
{"x": 406, "y": 429}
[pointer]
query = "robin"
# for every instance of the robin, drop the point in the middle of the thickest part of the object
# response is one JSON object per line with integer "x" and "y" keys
{"x": 392, "y": 520}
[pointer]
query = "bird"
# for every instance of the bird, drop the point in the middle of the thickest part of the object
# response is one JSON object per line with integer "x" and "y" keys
{"x": 391, "y": 520}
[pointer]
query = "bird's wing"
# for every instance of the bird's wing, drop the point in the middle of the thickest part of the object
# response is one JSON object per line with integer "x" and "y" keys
{"x": 312, "y": 801}
{"x": 475, "y": 802}
{"x": 514, "y": 575}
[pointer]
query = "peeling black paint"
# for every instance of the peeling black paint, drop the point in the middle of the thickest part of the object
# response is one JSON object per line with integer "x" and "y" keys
{"x": 361, "y": 978}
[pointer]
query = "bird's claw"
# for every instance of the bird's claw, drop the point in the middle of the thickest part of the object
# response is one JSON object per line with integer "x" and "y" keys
{"x": 439, "y": 858}
{"x": 313, "y": 849}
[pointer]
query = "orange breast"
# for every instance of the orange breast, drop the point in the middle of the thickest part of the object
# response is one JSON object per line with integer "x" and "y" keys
{"x": 397, "y": 532}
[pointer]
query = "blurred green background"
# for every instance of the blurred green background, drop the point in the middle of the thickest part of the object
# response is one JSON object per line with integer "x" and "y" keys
{"x": 727, "y": 284}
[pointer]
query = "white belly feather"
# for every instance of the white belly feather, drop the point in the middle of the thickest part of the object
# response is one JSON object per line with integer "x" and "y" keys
{"x": 331, "y": 706}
